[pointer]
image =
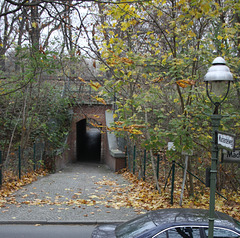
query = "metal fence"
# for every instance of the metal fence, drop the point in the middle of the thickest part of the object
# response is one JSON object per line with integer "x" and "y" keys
{"x": 138, "y": 163}
{"x": 18, "y": 162}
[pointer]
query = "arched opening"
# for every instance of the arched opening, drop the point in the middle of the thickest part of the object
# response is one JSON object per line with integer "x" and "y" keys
{"x": 88, "y": 142}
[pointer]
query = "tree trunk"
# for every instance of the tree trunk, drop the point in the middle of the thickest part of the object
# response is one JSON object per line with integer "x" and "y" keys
{"x": 11, "y": 139}
{"x": 191, "y": 189}
{"x": 151, "y": 155}
{"x": 35, "y": 30}
{"x": 184, "y": 180}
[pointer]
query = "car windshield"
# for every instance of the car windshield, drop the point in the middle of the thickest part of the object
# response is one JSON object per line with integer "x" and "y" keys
{"x": 134, "y": 227}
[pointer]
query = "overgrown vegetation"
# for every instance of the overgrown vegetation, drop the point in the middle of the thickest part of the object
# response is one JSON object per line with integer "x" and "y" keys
{"x": 151, "y": 56}
{"x": 157, "y": 54}
{"x": 32, "y": 108}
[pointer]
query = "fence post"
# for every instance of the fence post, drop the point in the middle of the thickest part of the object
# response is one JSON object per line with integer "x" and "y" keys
{"x": 144, "y": 164}
{"x": 173, "y": 177}
{"x": 126, "y": 159}
{"x": 19, "y": 162}
{"x": 1, "y": 169}
{"x": 134, "y": 158}
{"x": 129, "y": 159}
{"x": 158, "y": 158}
{"x": 34, "y": 157}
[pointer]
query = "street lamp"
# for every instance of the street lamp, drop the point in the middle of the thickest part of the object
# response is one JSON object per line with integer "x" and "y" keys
{"x": 217, "y": 79}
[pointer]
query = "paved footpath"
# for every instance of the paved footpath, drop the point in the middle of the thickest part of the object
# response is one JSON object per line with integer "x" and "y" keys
{"x": 77, "y": 194}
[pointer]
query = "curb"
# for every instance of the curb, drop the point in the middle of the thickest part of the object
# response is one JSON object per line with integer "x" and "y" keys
{"x": 53, "y": 222}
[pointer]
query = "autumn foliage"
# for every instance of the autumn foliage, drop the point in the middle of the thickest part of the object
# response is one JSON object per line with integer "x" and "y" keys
{"x": 143, "y": 196}
{"x": 12, "y": 183}
{"x": 140, "y": 195}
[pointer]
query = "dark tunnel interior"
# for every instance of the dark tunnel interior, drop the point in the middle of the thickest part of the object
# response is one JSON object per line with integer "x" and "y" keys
{"x": 88, "y": 143}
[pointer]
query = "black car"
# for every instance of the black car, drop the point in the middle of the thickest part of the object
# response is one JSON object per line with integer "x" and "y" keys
{"x": 172, "y": 223}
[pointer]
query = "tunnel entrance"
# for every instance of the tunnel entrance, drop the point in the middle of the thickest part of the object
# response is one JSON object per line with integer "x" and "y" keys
{"x": 88, "y": 142}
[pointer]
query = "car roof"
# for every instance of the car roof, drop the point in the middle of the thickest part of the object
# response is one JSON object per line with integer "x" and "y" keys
{"x": 187, "y": 215}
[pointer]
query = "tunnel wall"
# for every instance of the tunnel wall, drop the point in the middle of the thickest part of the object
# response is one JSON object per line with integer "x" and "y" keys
{"x": 115, "y": 158}
{"x": 109, "y": 155}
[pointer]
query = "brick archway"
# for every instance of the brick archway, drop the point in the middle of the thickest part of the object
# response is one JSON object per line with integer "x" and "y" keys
{"x": 95, "y": 117}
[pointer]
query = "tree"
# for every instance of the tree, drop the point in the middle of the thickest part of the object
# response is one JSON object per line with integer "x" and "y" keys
{"x": 27, "y": 88}
{"x": 166, "y": 46}
{"x": 7, "y": 33}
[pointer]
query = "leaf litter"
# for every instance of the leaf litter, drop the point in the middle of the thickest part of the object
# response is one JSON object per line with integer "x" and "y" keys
{"x": 137, "y": 194}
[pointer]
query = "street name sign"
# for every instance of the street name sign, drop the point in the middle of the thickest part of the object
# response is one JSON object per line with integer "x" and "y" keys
{"x": 226, "y": 141}
{"x": 231, "y": 156}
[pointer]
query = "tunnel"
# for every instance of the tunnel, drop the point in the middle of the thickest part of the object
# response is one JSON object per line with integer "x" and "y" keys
{"x": 88, "y": 142}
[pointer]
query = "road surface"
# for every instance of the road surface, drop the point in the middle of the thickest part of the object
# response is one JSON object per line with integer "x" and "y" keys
{"x": 45, "y": 231}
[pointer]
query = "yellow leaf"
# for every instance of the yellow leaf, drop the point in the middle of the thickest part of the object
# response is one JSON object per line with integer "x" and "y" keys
{"x": 95, "y": 86}
{"x": 191, "y": 34}
{"x": 34, "y": 24}
{"x": 100, "y": 100}
{"x": 81, "y": 79}
{"x": 183, "y": 83}
{"x": 111, "y": 41}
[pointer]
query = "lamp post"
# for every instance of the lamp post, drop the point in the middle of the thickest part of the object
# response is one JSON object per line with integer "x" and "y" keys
{"x": 216, "y": 79}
